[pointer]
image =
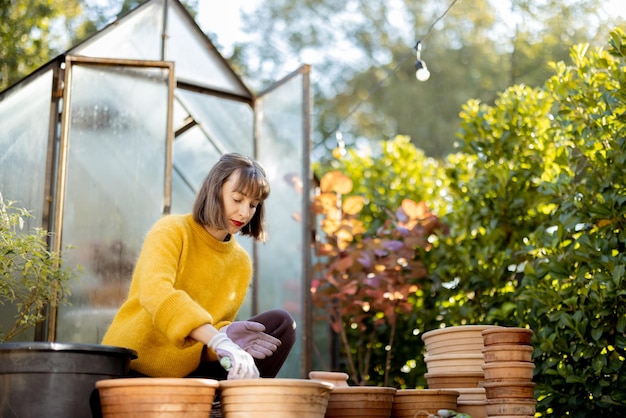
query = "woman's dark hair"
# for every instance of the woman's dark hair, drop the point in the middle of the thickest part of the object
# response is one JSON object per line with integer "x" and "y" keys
{"x": 208, "y": 208}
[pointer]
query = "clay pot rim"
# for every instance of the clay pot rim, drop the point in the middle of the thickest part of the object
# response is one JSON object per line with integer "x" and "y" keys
{"x": 272, "y": 382}
{"x": 466, "y": 374}
{"x": 156, "y": 381}
{"x": 478, "y": 403}
{"x": 480, "y": 391}
{"x": 455, "y": 340}
{"x": 409, "y": 392}
{"x": 459, "y": 356}
{"x": 507, "y": 347}
{"x": 365, "y": 389}
{"x": 456, "y": 328}
{"x": 509, "y": 364}
{"x": 319, "y": 374}
{"x": 506, "y": 401}
{"x": 509, "y": 383}
{"x": 507, "y": 330}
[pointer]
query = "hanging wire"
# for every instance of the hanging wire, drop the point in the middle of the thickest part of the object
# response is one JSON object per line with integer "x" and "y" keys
{"x": 354, "y": 108}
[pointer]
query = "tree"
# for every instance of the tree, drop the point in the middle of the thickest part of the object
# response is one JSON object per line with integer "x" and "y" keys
{"x": 535, "y": 212}
{"x": 356, "y": 45}
{"x": 536, "y": 231}
{"x": 574, "y": 286}
{"x": 29, "y": 36}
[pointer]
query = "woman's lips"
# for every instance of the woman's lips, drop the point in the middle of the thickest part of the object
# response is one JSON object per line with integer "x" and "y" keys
{"x": 236, "y": 223}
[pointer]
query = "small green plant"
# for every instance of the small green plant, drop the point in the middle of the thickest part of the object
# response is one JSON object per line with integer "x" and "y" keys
{"x": 31, "y": 276}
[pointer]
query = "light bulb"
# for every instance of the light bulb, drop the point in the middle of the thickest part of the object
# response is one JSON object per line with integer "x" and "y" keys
{"x": 421, "y": 71}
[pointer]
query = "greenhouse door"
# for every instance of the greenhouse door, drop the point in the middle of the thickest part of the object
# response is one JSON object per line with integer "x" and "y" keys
{"x": 283, "y": 146}
{"x": 113, "y": 182}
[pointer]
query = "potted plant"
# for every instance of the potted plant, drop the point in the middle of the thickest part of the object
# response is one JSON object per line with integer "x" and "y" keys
{"x": 364, "y": 284}
{"x": 33, "y": 277}
{"x": 43, "y": 378}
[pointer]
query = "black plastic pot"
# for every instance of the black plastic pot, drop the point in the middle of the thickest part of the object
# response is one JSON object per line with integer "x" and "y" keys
{"x": 56, "y": 380}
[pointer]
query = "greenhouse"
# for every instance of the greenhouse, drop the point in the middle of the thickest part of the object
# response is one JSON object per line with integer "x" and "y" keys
{"x": 121, "y": 129}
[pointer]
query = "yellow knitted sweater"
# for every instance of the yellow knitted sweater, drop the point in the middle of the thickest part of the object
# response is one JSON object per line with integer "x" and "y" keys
{"x": 183, "y": 278}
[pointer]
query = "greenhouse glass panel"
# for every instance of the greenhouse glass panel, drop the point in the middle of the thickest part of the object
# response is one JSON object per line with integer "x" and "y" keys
{"x": 193, "y": 157}
{"x": 115, "y": 186}
{"x": 281, "y": 151}
{"x": 136, "y": 36}
{"x": 25, "y": 120}
{"x": 227, "y": 124}
{"x": 181, "y": 116}
{"x": 196, "y": 59}
{"x": 182, "y": 193}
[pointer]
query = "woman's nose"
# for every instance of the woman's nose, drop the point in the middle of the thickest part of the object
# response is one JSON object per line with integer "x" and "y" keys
{"x": 244, "y": 210}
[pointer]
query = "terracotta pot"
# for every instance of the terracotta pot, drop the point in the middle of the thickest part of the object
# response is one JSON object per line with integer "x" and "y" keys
{"x": 456, "y": 339}
{"x": 454, "y": 363}
{"x": 455, "y": 380}
{"x": 408, "y": 402}
{"x": 337, "y": 379}
{"x": 278, "y": 398}
{"x": 502, "y": 370}
{"x": 510, "y": 407}
{"x": 507, "y": 352}
{"x": 471, "y": 394}
{"x": 455, "y": 347}
{"x": 471, "y": 401}
{"x": 507, "y": 335}
{"x": 475, "y": 409}
{"x": 156, "y": 397}
{"x": 510, "y": 389}
{"x": 360, "y": 401}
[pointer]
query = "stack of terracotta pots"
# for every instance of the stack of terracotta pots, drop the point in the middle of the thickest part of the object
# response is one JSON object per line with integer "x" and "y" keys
{"x": 509, "y": 372}
{"x": 454, "y": 360}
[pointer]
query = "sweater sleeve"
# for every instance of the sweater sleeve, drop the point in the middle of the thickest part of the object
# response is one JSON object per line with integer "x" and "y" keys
{"x": 173, "y": 311}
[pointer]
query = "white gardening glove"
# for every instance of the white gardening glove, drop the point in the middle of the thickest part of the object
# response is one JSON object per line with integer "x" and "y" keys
{"x": 241, "y": 363}
{"x": 250, "y": 336}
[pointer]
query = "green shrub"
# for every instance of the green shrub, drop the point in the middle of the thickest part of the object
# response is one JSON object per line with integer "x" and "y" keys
{"x": 534, "y": 204}
{"x": 537, "y": 231}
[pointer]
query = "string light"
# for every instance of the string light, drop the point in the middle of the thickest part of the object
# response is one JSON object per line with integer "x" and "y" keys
{"x": 421, "y": 70}
{"x": 421, "y": 73}
{"x": 340, "y": 151}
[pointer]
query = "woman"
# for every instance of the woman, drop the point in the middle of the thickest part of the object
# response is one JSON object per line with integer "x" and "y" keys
{"x": 190, "y": 280}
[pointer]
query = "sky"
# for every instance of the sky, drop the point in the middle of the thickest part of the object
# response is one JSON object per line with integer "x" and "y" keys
{"x": 223, "y": 19}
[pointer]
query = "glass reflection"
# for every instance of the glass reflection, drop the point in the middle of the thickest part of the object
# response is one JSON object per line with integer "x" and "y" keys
{"x": 281, "y": 260}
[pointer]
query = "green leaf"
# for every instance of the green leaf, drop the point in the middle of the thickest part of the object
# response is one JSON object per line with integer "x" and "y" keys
{"x": 596, "y": 333}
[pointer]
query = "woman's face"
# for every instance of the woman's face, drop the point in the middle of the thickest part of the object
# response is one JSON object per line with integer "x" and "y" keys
{"x": 238, "y": 208}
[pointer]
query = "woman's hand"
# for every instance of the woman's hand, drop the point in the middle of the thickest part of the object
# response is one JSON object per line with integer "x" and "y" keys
{"x": 250, "y": 336}
{"x": 241, "y": 363}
